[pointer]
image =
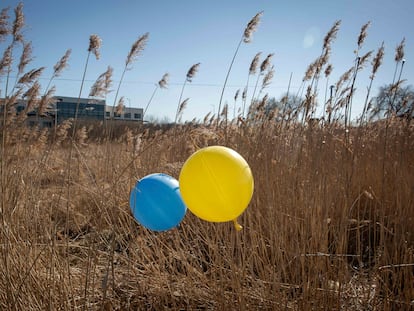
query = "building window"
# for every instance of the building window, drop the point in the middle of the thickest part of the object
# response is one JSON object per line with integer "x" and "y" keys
{"x": 117, "y": 115}
{"x": 127, "y": 115}
{"x": 137, "y": 116}
{"x": 47, "y": 124}
{"x": 108, "y": 114}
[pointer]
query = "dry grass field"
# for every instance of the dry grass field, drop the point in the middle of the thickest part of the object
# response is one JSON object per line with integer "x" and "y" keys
{"x": 329, "y": 227}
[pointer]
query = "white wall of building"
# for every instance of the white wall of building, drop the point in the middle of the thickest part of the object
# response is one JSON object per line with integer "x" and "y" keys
{"x": 128, "y": 114}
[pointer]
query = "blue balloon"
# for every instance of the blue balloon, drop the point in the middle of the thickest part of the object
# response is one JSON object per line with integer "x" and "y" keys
{"x": 156, "y": 202}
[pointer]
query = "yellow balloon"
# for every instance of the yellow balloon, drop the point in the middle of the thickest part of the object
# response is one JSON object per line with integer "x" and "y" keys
{"x": 216, "y": 184}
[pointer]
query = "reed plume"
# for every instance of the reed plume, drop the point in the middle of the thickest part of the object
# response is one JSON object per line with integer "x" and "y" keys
{"x": 181, "y": 108}
{"x": 252, "y": 71}
{"x": 363, "y": 34}
{"x": 224, "y": 111}
{"x": 18, "y": 23}
{"x": 120, "y": 106}
{"x": 188, "y": 78}
{"x": 254, "y": 64}
{"x": 62, "y": 131}
{"x": 102, "y": 85}
{"x": 327, "y": 73}
{"x": 399, "y": 56}
{"x": 246, "y": 38}
{"x": 314, "y": 70}
{"x": 192, "y": 71}
{"x": 364, "y": 59}
{"x": 349, "y": 96}
{"x": 336, "y": 101}
{"x": 59, "y": 67}
{"x": 164, "y": 81}
{"x": 266, "y": 63}
{"x": 32, "y": 97}
{"x": 30, "y": 76}
{"x": 399, "y": 51}
{"x": 136, "y": 50}
{"x": 331, "y": 35}
{"x": 5, "y": 68}
{"x": 6, "y": 60}
{"x": 328, "y": 70}
{"x": 33, "y": 91}
{"x": 359, "y": 64}
{"x": 46, "y": 101}
{"x": 310, "y": 71}
{"x": 342, "y": 79}
{"x": 251, "y": 27}
{"x": 4, "y": 24}
{"x": 267, "y": 79}
{"x": 236, "y": 96}
{"x": 25, "y": 58}
{"x": 62, "y": 63}
{"x": 399, "y": 59}
{"x": 93, "y": 48}
{"x": 162, "y": 84}
{"x": 82, "y": 136}
{"x": 377, "y": 61}
{"x": 263, "y": 67}
{"x": 262, "y": 103}
{"x": 206, "y": 118}
{"x": 95, "y": 43}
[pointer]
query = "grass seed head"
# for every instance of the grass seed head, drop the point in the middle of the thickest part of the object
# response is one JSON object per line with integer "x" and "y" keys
{"x": 6, "y": 60}
{"x": 18, "y": 23}
{"x": 102, "y": 85}
{"x": 399, "y": 51}
{"x": 164, "y": 81}
{"x": 363, "y": 34}
{"x": 4, "y": 24}
{"x": 26, "y": 57}
{"x": 62, "y": 63}
{"x": 95, "y": 43}
{"x": 192, "y": 71}
{"x": 254, "y": 64}
{"x": 331, "y": 35}
{"x": 266, "y": 63}
{"x": 377, "y": 61}
{"x": 137, "y": 49}
{"x": 251, "y": 27}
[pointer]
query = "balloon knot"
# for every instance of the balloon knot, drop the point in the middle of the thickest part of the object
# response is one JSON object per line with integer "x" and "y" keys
{"x": 237, "y": 225}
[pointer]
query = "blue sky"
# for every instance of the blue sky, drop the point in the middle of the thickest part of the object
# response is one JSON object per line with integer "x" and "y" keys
{"x": 183, "y": 33}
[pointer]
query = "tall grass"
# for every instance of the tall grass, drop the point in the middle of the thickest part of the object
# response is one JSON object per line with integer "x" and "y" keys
{"x": 312, "y": 234}
{"x": 188, "y": 78}
{"x": 329, "y": 225}
{"x": 246, "y": 37}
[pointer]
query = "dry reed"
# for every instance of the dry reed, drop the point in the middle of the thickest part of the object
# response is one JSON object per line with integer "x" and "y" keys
{"x": 329, "y": 225}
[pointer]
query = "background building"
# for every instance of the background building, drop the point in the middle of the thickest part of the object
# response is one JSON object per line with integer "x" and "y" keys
{"x": 70, "y": 107}
{"x": 65, "y": 108}
{"x": 128, "y": 114}
{"x": 32, "y": 118}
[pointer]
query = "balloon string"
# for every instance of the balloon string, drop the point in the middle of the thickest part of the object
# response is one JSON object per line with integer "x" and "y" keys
{"x": 237, "y": 225}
